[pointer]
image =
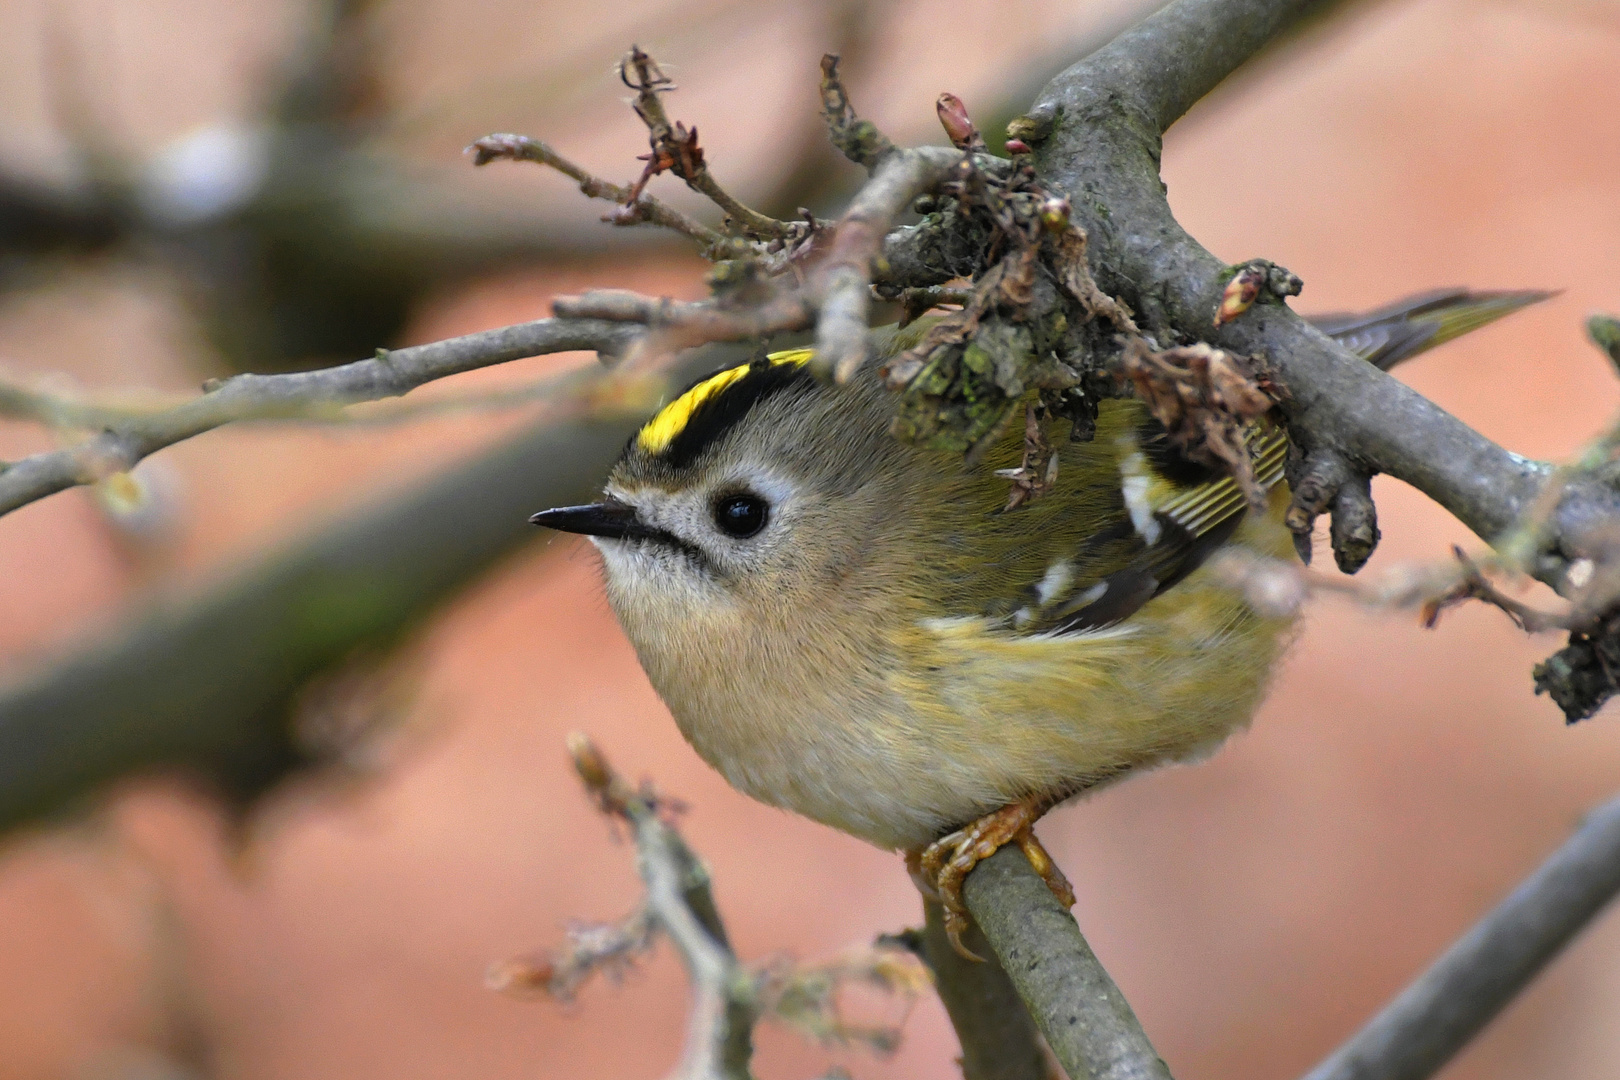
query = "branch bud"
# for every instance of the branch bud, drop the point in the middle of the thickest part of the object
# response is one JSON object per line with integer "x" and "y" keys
{"x": 1240, "y": 293}
{"x": 953, "y": 117}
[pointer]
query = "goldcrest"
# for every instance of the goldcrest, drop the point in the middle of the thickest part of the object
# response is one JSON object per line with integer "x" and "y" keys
{"x": 852, "y": 628}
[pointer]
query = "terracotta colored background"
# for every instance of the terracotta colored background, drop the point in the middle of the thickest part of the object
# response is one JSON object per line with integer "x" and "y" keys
{"x": 1255, "y": 908}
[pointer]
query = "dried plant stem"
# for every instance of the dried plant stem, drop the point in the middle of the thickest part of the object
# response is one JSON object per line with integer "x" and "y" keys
{"x": 676, "y": 148}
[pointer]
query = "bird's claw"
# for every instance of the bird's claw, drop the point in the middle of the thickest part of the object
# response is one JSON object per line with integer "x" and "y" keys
{"x": 942, "y": 866}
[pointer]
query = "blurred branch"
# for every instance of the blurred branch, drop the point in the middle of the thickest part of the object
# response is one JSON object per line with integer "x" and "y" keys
{"x": 720, "y": 1027}
{"x": 206, "y": 680}
{"x": 246, "y": 397}
{"x": 1433, "y": 1018}
{"x": 728, "y": 997}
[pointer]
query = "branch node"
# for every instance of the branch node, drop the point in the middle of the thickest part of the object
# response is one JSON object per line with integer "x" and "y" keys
{"x": 1256, "y": 280}
{"x": 1323, "y": 481}
{"x": 1034, "y": 126}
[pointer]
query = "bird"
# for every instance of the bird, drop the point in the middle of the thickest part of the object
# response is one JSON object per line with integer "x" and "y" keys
{"x": 857, "y": 629}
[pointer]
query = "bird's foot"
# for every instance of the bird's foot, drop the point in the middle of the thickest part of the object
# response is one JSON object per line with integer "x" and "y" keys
{"x": 942, "y": 866}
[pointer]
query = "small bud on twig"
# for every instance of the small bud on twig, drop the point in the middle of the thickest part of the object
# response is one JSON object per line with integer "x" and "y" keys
{"x": 1240, "y": 293}
{"x": 953, "y": 117}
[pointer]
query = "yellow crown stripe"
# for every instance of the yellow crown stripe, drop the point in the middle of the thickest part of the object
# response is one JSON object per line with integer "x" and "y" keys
{"x": 656, "y": 435}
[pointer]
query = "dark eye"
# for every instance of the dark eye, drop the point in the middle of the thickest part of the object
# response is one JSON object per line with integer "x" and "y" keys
{"x": 740, "y": 515}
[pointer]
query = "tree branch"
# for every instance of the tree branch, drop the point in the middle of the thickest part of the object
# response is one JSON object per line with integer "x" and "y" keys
{"x": 1086, "y": 1020}
{"x": 999, "y": 1040}
{"x": 846, "y": 275}
{"x": 634, "y": 207}
{"x": 208, "y": 679}
{"x": 1096, "y": 131}
{"x": 725, "y": 1000}
{"x": 729, "y": 997}
{"x": 1449, "y": 1004}
{"x": 252, "y": 397}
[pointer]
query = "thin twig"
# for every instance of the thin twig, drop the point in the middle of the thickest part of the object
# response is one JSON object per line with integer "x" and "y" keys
{"x": 62, "y": 413}
{"x": 248, "y": 397}
{"x": 719, "y": 1039}
{"x": 857, "y": 139}
{"x": 675, "y": 147}
{"x": 1086, "y": 1020}
{"x": 643, "y": 208}
{"x": 1436, "y": 1016}
{"x": 676, "y": 325}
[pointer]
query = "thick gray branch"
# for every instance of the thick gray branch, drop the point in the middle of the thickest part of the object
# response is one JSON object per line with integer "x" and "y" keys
{"x": 1098, "y": 127}
{"x": 250, "y": 397}
{"x": 1432, "y": 1019}
{"x": 1168, "y": 62}
{"x": 1086, "y": 1020}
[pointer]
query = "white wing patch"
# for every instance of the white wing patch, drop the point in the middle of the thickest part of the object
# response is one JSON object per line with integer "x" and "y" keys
{"x": 1055, "y": 582}
{"x": 1136, "y": 483}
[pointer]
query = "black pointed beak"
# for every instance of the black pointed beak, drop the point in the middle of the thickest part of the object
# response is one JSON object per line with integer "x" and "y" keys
{"x": 609, "y": 518}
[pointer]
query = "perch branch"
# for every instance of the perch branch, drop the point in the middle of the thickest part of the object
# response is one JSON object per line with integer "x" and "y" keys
{"x": 1086, "y": 1020}
{"x": 247, "y": 397}
{"x": 998, "y": 1039}
{"x": 1449, "y": 1004}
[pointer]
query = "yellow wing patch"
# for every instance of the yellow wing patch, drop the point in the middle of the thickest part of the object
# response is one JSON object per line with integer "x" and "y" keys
{"x": 671, "y": 420}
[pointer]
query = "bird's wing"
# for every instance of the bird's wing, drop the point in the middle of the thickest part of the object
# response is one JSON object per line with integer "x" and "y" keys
{"x": 1187, "y": 511}
{"x": 1166, "y": 529}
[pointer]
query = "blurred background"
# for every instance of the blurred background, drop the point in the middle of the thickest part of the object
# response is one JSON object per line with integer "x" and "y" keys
{"x": 192, "y": 187}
